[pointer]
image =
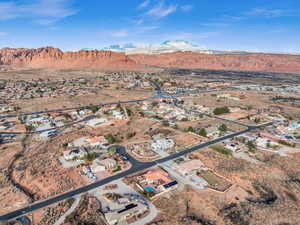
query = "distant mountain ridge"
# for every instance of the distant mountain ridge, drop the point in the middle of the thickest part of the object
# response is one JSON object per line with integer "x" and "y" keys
{"x": 174, "y": 46}
{"x": 170, "y": 55}
{"x": 165, "y": 47}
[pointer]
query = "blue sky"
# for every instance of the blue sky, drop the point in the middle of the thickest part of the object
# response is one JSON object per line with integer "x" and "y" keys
{"x": 259, "y": 25}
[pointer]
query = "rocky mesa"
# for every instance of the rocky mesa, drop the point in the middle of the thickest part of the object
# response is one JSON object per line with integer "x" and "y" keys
{"x": 49, "y": 57}
{"x": 251, "y": 62}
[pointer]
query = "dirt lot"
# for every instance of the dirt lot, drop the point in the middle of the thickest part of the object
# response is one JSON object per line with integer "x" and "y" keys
{"x": 87, "y": 212}
{"x": 10, "y": 197}
{"x": 40, "y": 172}
{"x": 104, "y": 96}
{"x": 206, "y": 122}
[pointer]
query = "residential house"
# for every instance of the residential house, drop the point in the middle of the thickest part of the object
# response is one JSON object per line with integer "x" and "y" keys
{"x": 118, "y": 115}
{"x": 98, "y": 141}
{"x": 190, "y": 166}
{"x": 96, "y": 122}
{"x": 232, "y": 145}
{"x": 102, "y": 165}
{"x": 212, "y": 131}
{"x": 78, "y": 153}
{"x": 119, "y": 211}
{"x": 156, "y": 181}
{"x": 162, "y": 144}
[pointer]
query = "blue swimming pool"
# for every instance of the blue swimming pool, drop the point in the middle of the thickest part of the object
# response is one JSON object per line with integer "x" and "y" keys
{"x": 150, "y": 189}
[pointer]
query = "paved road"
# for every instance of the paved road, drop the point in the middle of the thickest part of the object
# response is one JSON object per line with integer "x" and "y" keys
{"x": 136, "y": 167}
{"x": 72, "y": 108}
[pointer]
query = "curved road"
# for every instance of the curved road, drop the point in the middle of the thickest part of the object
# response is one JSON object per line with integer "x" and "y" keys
{"x": 136, "y": 167}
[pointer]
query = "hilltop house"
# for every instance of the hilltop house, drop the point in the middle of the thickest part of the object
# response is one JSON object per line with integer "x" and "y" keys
{"x": 119, "y": 211}
{"x": 96, "y": 122}
{"x": 102, "y": 165}
{"x": 162, "y": 144}
{"x": 97, "y": 141}
{"x": 78, "y": 153}
{"x": 190, "y": 166}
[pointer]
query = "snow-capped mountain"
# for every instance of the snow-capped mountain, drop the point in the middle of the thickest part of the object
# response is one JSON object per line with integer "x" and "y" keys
{"x": 173, "y": 46}
{"x": 165, "y": 47}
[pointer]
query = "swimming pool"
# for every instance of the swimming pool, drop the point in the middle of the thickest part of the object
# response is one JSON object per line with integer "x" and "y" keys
{"x": 150, "y": 189}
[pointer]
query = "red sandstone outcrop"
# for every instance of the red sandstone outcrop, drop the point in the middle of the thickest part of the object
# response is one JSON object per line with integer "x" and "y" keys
{"x": 54, "y": 58}
{"x": 251, "y": 62}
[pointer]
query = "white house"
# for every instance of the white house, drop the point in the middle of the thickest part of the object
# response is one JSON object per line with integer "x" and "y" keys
{"x": 85, "y": 112}
{"x": 264, "y": 142}
{"x": 117, "y": 114}
{"x": 96, "y": 122}
{"x": 100, "y": 141}
{"x": 36, "y": 119}
{"x": 162, "y": 144}
{"x": 102, "y": 165}
{"x": 78, "y": 153}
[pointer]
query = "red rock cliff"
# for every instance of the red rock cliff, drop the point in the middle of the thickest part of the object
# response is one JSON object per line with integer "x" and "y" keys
{"x": 251, "y": 62}
{"x": 54, "y": 58}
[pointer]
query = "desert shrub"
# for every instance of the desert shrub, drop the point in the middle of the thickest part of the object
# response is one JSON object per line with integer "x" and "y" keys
{"x": 221, "y": 149}
{"x": 221, "y": 110}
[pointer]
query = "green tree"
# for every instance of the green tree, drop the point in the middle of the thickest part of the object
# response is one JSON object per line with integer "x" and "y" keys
{"x": 202, "y": 132}
{"x": 154, "y": 104}
{"x": 223, "y": 128}
{"x": 29, "y": 128}
{"x": 112, "y": 150}
{"x": 257, "y": 120}
{"x": 283, "y": 142}
{"x": 251, "y": 146}
{"x": 90, "y": 156}
{"x": 94, "y": 108}
{"x": 130, "y": 135}
{"x": 191, "y": 129}
{"x": 221, "y": 110}
{"x": 111, "y": 139}
{"x": 165, "y": 123}
{"x": 129, "y": 112}
{"x": 65, "y": 145}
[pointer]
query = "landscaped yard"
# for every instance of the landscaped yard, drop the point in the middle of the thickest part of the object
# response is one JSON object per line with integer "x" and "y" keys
{"x": 215, "y": 182}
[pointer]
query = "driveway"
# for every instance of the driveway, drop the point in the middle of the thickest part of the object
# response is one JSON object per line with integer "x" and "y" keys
{"x": 125, "y": 189}
{"x": 72, "y": 208}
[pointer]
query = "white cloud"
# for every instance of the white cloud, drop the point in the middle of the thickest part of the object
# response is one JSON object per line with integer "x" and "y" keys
{"x": 145, "y": 29}
{"x": 144, "y": 4}
{"x": 266, "y": 12}
{"x": 137, "y": 21}
{"x": 214, "y": 24}
{"x": 2, "y": 34}
{"x": 187, "y": 8}
{"x": 120, "y": 33}
{"x": 42, "y": 11}
{"x": 192, "y": 35}
{"x": 161, "y": 10}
